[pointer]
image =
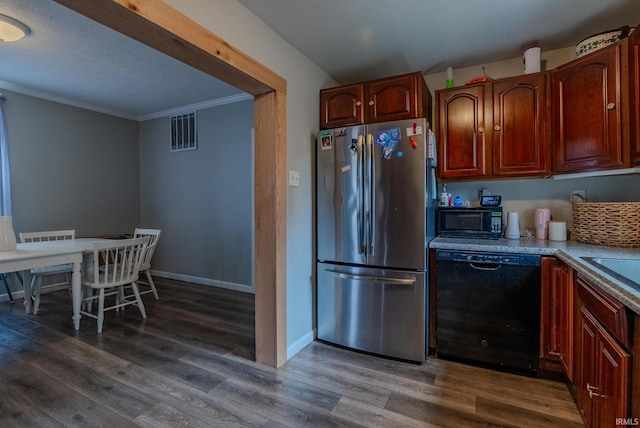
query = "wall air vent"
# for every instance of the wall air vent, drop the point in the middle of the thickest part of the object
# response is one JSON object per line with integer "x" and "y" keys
{"x": 184, "y": 132}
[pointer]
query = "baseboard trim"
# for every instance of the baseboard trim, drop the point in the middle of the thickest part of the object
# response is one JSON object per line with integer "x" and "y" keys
{"x": 299, "y": 344}
{"x": 204, "y": 281}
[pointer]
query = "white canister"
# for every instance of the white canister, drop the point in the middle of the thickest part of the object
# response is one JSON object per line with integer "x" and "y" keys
{"x": 513, "y": 226}
{"x": 531, "y": 59}
{"x": 557, "y": 231}
{"x": 7, "y": 235}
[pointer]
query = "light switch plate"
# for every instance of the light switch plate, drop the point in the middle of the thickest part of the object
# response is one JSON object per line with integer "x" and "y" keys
{"x": 294, "y": 178}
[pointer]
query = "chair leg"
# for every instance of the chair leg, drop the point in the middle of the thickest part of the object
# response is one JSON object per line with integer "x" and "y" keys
{"x": 100, "y": 310}
{"x": 88, "y": 292}
{"x": 6, "y": 285}
{"x": 151, "y": 284}
{"x": 36, "y": 283}
{"x": 69, "y": 287}
{"x": 134, "y": 286}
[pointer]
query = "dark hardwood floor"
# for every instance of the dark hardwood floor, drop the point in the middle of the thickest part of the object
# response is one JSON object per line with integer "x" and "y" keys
{"x": 190, "y": 364}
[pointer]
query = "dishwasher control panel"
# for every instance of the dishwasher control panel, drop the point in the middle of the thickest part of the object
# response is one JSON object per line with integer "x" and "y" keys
{"x": 488, "y": 258}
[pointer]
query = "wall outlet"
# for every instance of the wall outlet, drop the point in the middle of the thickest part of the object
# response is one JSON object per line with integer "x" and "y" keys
{"x": 582, "y": 193}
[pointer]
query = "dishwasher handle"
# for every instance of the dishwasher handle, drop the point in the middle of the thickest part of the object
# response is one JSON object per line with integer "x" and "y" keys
{"x": 487, "y": 267}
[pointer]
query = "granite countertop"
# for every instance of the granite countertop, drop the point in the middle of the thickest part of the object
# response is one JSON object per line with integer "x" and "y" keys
{"x": 571, "y": 252}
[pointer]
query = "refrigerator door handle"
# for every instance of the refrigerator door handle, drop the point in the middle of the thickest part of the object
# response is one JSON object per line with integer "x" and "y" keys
{"x": 386, "y": 280}
{"x": 372, "y": 195}
{"x": 360, "y": 195}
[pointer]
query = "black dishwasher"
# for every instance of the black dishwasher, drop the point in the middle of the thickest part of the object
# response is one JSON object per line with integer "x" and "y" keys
{"x": 488, "y": 309}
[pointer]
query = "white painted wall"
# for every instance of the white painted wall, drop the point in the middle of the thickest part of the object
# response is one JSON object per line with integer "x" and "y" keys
{"x": 235, "y": 24}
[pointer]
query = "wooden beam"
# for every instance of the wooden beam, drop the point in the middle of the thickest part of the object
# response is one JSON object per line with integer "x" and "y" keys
{"x": 161, "y": 27}
{"x": 270, "y": 228}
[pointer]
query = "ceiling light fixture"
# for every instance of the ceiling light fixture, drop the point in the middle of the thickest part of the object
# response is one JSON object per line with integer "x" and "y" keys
{"x": 12, "y": 30}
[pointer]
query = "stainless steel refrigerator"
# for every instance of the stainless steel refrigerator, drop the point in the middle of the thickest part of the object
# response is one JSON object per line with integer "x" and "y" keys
{"x": 375, "y": 190}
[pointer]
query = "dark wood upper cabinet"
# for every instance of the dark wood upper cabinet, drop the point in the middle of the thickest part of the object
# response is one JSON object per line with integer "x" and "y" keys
{"x": 520, "y": 139}
{"x": 496, "y": 129}
{"x": 634, "y": 86}
{"x": 461, "y": 132}
{"x": 398, "y": 98}
{"x": 588, "y": 112}
{"x": 342, "y": 106}
{"x": 382, "y": 100}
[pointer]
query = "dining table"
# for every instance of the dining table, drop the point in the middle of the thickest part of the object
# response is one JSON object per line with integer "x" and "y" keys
{"x": 30, "y": 255}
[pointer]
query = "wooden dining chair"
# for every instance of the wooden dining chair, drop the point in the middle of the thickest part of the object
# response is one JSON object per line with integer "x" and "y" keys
{"x": 113, "y": 273}
{"x": 38, "y": 273}
{"x": 154, "y": 235}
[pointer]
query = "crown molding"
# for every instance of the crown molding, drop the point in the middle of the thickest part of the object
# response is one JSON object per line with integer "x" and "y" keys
{"x": 88, "y": 106}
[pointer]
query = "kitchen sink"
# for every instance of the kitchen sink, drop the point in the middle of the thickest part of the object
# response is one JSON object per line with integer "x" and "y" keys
{"x": 625, "y": 270}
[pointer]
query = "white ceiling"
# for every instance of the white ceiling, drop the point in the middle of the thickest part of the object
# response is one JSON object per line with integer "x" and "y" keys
{"x": 69, "y": 57}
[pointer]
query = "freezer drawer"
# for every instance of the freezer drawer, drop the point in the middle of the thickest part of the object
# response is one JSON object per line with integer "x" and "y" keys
{"x": 381, "y": 311}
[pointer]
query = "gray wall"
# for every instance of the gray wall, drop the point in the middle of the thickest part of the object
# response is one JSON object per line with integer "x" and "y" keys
{"x": 71, "y": 168}
{"x": 201, "y": 199}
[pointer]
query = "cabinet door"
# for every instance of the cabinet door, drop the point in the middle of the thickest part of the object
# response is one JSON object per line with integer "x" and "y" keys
{"x": 461, "y": 133}
{"x": 394, "y": 98}
{"x": 565, "y": 296}
{"x": 586, "y": 376}
{"x": 634, "y": 84}
{"x": 602, "y": 382}
{"x": 556, "y": 329}
{"x": 341, "y": 106}
{"x": 588, "y": 114}
{"x": 611, "y": 391}
{"x": 520, "y": 141}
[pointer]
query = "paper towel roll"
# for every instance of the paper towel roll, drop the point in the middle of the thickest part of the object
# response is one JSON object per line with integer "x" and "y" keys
{"x": 557, "y": 231}
{"x": 531, "y": 59}
{"x": 513, "y": 226}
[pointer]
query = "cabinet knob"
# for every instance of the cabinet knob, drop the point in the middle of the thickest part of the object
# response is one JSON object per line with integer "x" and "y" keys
{"x": 358, "y": 103}
{"x": 611, "y": 106}
{"x": 481, "y": 130}
{"x": 497, "y": 127}
{"x": 371, "y": 103}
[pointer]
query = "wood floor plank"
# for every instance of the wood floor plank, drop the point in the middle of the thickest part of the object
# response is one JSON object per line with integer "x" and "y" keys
{"x": 61, "y": 403}
{"x": 415, "y": 372}
{"x": 280, "y": 408}
{"x": 265, "y": 378}
{"x": 549, "y": 396}
{"x": 434, "y": 414}
{"x": 498, "y": 412}
{"x": 372, "y": 416}
{"x": 122, "y": 399}
{"x": 455, "y": 399}
{"x": 161, "y": 388}
{"x": 337, "y": 383}
{"x": 191, "y": 363}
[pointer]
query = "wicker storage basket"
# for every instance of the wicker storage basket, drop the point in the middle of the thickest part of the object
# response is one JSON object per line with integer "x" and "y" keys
{"x": 615, "y": 224}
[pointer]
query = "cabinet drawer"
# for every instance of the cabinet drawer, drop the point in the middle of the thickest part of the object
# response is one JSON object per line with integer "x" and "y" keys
{"x": 608, "y": 311}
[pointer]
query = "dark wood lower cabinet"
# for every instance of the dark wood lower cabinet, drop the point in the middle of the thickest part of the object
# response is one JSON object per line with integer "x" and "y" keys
{"x": 602, "y": 375}
{"x": 594, "y": 340}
